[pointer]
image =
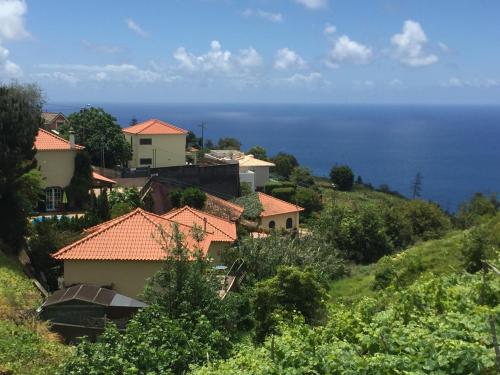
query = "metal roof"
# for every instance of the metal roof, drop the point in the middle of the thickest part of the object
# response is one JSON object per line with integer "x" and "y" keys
{"x": 92, "y": 294}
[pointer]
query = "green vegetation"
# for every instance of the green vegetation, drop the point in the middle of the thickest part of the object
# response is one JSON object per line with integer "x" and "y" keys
{"x": 251, "y": 204}
{"x": 191, "y": 196}
{"x": 20, "y": 117}
{"x": 342, "y": 177}
{"x": 101, "y": 135}
{"x": 81, "y": 182}
{"x": 229, "y": 144}
{"x": 26, "y": 345}
{"x": 123, "y": 201}
{"x": 302, "y": 176}
{"x": 284, "y": 164}
{"x": 258, "y": 152}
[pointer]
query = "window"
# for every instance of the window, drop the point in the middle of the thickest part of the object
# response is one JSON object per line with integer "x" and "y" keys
{"x": 145, "y": 141}
{"x": 272, "y": 224}
{"x": 146, "y": 161}
{"x": 53, "y": 198}
{"x": 289, "y": 223}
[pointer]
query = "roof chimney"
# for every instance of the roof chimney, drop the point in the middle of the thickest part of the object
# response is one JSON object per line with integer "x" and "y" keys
{"x": 71, "y": 139}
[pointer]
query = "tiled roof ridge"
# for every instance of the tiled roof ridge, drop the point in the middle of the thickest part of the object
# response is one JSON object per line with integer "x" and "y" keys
{"x": 58, "y": 138}
{"x": 234, "y": 205}
{"x": 148, "y": 123}
{"x": 178, "y": 211}
{"x": 98, "y": 232}
{"x": 281, "y": 200}
{"x": 195, "y": 212}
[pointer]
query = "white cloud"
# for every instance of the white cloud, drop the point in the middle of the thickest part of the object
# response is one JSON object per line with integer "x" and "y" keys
{"x": 444, "y": 47}
{"x": 12, "y": 20}
{"x": 477, "y": 83}
{"x": 330, "y": 29}
{"x": 74, "y": 73}
{"x": 270, "y": 16}
{"x": 217, "y": 60}
{"x": 8, "y": 69}
{"x": 134, "y": 26}
{"x": 286, "y": 58}
{"x": 395, "y": 83}
{"x": 363, "y": 84}
{"x": 410, "y": 45}
{"x": 313, "y": 4}
{"x": 305, "y": 79}
{"x": 346, "y": 50}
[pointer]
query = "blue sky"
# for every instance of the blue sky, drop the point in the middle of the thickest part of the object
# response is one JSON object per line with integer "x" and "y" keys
{"x": 349, "y": 51}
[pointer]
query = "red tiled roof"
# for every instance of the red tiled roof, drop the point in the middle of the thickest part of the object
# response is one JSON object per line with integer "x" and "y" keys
{"x": 222, "y": 230}
{"x": 134, "y": 236}
{"x": 222, "y": 208}
{"x": 48, "y": 141}
{"x": 274, "y": 206}
{"x": 154, "y": 126}
{"x": 100, "y": 177}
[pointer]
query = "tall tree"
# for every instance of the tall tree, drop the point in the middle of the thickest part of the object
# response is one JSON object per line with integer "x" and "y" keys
{"x": 20, "y": 118}
{"x": 416, "y": 186}
{"x": 258, "y": 152}
{"x": 342, "y": 176}
{"x": 284, "y": 164}
{"x": 229, "y": 144}
{"x": 99, "y": 132}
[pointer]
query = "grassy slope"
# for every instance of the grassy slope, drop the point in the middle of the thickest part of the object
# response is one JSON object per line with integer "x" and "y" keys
{"x": 26, "y": 345}
{"x": 437, "y": 256}
{"x": 359, "y": 196}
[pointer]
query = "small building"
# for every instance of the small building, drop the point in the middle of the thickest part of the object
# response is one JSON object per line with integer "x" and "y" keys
{"x": 156, "y": 144}
{"x": 53, "y": 120}
{"x": 83, "y": 310}
{"x": 253, "y": 171}
{"x": 55, "y": 157}
{"x": 278, "y": 214}
{"x": 124, "y": 252}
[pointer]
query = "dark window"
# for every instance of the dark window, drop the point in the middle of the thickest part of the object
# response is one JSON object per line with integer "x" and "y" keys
{"x": 145, "y": 141}
{"x": 146, "y": 161}
{"x": 289, "y": 223}
{"x": 272, "y": 224}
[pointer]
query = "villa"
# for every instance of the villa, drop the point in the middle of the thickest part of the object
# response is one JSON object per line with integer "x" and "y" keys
{"x": 156, "y": 144}
{"x": 124, "y": 252}
{"x": 278, "y": 214}
{"x": 53, "y": 120}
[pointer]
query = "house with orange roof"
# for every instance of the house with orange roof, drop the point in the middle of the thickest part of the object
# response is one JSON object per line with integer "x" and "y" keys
{"x": 124, "y": 252}
{"x": 156, "y": 144}
{"x": 55, "y": 157}
{"x": 277, "y": 214}
{"x": 222, "y": 231}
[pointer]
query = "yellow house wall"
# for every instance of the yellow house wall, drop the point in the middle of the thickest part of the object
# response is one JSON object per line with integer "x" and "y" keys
{"x": 126, "y": 277}
{"x": 170, "y": 150}
{"x": 280, "y": 221}
{"x": 56, "y": 166}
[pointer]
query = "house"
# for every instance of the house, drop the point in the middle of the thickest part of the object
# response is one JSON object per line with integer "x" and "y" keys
{"x": 223, "y": 232}
{"x": 53, "y": 120}
{"x": 278, "y": 214}
{"x": 156, "y": 144}
{"x": 84, "y": 310}
{"x": 253, "y": 171}
{"x": 124, "y": 252}
{"x": 55, "y": 157}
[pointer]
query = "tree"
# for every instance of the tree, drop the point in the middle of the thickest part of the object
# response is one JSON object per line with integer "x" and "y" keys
{"x": 124, "y": 201}
{"x": 476, "y": 209}
{"x": 477, "y": 248}
{"x": 133, "y": 121}
{"x": 81, "y": 182}
{"x": 229, "y": 144}
{"x": 192, "y": 139}
{"x": 193, "y": 197}
{"x": 308, "y": 199}
{"x": 20, "y": 118}
{"x": 302, "y": 176}
{"x": 284, "y": 164}
{"x": 342, "y": 177}
{"x": 102, "y": 206}
{"x": 290, "y": 291}
{"x": 416, "y": 186}
{"x": 98, "y": 132}
{"x": 258, "y": 152}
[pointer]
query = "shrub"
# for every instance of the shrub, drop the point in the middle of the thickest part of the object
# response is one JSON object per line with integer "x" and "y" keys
{"x": 81, "y": 182}
{"x": 399, "y": 271}
{"x": 428, "y": 221}
{"x": 342, "y": 177}
{"x": 258, "y": 152}
{"x": 251, "y": 204}
{"x": 193, "y": 197}
{"x": 284, "y": 164}
{"x": 120, "y": 209}
{"x": 478, "y": 207}
{"x": 271, "y": 185}
{"x": 302, "y": 176}
{"x": 175, "y": 198}
{"x": 308, "y": 199}
{"x": 285, "y": 193}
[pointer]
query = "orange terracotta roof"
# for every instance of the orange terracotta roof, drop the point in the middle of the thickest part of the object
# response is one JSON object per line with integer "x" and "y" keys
{"x": 274, "y": 206}
{"x": 100, "y": 177}
{"x": 152, "y": 127}
{"x": 134, "y": 236}
{"x": 48, "y": 141}
{"x": 222, "y": 208}
{"x": 222, "y": 230}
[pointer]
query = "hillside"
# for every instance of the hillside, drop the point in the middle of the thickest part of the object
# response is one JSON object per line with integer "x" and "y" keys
{"x": 26, "y": 345}
{"x": 440, "y": 256}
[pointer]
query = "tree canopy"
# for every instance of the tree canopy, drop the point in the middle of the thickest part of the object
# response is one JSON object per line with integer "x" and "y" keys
{"x": 97, "y": 131}
{"x": 284, "y": 164}
{"x": 342, "y": 177}
{"x": 258, "y": 152}
{"x": 229, "y": 144}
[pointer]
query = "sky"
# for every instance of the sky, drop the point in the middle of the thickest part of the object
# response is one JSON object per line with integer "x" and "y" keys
{"x": 256, "y": 51}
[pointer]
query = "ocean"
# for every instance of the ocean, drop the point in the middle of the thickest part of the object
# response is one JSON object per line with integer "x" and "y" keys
{"x": 455, "y": 148}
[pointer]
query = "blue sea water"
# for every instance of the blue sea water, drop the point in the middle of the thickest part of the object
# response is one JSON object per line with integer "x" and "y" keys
{"x": 455, "y": 148}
